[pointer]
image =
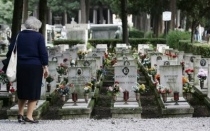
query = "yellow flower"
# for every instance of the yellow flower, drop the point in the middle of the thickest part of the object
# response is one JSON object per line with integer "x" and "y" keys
{"x": 142, "y": 87}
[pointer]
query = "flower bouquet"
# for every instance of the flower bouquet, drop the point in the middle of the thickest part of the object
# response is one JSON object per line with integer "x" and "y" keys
{"x": 115, "y": 89}
{"x": 187, "y": 91}
{"x": 62, "y": 69}
{"x": 187, "y": 88}
{"x": 152, "y": 71}
{"x": 139, "y": 88}
{"x": 3, "y": 77}
{"x": 49, "y": 79}
{"x": 63, "y": 89}
{"x": 164, "y": 91}
{"x": 189, "y": 71}
{"x": 81, "y": 54}
{"x": 202, "y": 75}
{"x": 88, "y": 87}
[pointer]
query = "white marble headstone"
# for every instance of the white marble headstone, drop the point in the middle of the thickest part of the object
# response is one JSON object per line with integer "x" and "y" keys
{"x": 127, "y": 77}
{"x": 171, "y": 77}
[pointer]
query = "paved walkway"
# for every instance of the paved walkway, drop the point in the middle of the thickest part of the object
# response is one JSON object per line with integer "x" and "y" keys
{"x": 164, "y": 124}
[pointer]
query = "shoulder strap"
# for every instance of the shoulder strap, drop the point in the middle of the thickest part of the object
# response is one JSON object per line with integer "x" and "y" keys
{"x": 15, "y": 46}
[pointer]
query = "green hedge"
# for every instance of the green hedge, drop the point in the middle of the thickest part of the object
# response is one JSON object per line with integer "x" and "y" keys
{"x": 136, "y": 34}
{"x": 195, "y": 48}
{"x": 69, "y": 42}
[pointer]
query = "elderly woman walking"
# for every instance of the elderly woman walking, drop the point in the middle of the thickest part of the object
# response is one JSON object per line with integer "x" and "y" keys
{"x": 31, "y": 67}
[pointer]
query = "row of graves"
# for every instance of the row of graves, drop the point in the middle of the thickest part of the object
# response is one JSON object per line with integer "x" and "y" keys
{"x": 83, "y": 77}
{"x": 127, "y": 104}
{"x": 176, "y": 75}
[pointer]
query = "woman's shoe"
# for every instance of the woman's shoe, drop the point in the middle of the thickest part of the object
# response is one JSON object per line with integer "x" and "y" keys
{"x": 30, "y": 121}
{"x": 20, "y": 118}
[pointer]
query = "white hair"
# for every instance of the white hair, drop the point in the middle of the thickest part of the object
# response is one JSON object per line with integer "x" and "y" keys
{"x": 33, "y": 23}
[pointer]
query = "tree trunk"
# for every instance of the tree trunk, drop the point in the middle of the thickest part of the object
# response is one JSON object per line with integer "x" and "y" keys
{"x": 83, "y": 11}
{"x": 173, "y": 14}
{"x": 42, "y": 15}
{"x": 87, "y": 3}
{"x": 124, "y": 20}
{"x": 193, "y": 26}
{"x": 25, "y": 10}
{"x": 17, "y": 17}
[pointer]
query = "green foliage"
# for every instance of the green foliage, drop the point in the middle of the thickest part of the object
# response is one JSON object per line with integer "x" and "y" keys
{"x": 173, "y": 37}
{"x": 6, "y": 12}
{"x": 69, "y": 42}
{"x": 89, "y": 46}
{"x": 59, "y": 6}
{"x": 134, "y": 33}
{"x": 148, "y": 34}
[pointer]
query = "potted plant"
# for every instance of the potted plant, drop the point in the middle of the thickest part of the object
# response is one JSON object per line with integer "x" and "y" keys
{"x": 49, "y": 79}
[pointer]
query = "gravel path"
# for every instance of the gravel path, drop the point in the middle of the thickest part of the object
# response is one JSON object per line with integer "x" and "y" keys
{"x": 163, "y": 124}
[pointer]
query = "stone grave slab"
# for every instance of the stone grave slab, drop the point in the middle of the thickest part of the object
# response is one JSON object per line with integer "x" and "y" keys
{"x": 41, "y": 107}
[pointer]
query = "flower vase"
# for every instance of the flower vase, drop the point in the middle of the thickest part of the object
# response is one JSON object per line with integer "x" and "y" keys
{"x": 188, "y": 95}
{"x": 59, "y": 78}
{"x": 80, "y": 57}
{"x": 137, "y": 96}
{"x": 74, "y": 98}
{"x": 63, "y": 98}
{"x": 201, "y": 84}
{"x": 190, "y": 77}
{"x": 114, "y": 97}
{"x": 86, "y": 96}
{"x": 164, "y": 96}
{"x": 13, "y": 98}
{"x": 48, "y": 87}
{"x": 8, "y": 87}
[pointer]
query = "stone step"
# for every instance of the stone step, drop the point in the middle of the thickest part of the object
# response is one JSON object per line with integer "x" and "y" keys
{"x": 151, "y": 112}
{"x": 101, "y": 113}
{"x": 201, "y": 111}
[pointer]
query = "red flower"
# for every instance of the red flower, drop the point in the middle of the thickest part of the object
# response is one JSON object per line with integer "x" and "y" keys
{"x": 189, "y": 71}
{"x": 174, "y": 56}
{"x": 116, "y": 82}
{"x": 182, "y": 63}
{"x": 12, "y": 90}
{"x": 65, "y": 60}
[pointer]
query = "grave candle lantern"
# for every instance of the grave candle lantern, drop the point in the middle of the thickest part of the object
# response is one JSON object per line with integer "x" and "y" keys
{"x": 125, "y": 96}
{"x": 74, "y": 98}
{"x": 176, "y": 97}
